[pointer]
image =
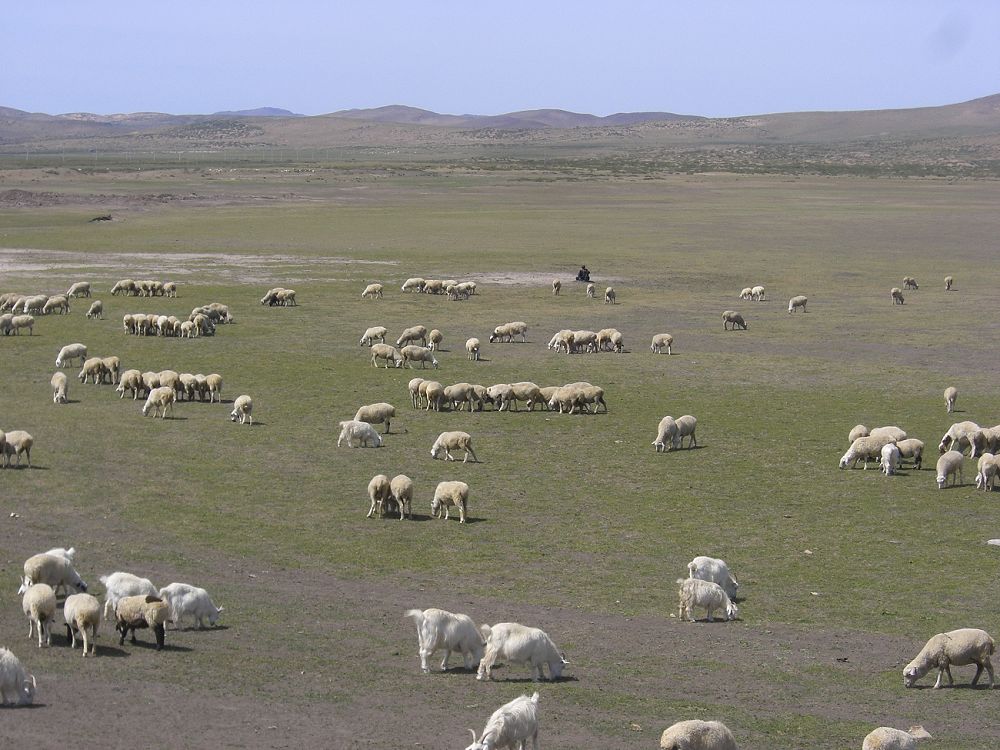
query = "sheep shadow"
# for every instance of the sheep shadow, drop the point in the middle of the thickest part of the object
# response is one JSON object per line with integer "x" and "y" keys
{"x": 151, "y": 646}
{"x": 529, "y": 680}
{"x": 196, "y": 629}
{"x": 956, "y": 686}
{"x": 6, "y": 706}
{"x": 111, "y": 652}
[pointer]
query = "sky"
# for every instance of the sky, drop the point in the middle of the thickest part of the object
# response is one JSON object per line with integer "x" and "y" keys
{"x": 715, "y": 58}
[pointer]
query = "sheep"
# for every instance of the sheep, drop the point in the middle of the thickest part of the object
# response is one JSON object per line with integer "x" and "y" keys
{"x": 6, "y": 325}
{"x": 745, "y": 293}
{"x": 438, "y": 628}
{"x": 82, "y": 613}
{"x": 472, "y": 347}
{"x": 435, "y": 337}
{"x": 896, "y": 295}
{"x": 604, "y": 336}
{"x": 948, "y": 282}
{"x": 715, "y": 570}
{"x": 213, "y": 385}
{"x": 556, "y": 287}
{"x": 985, "y": 439}
{"x": 423, "y": 355}
{"x": 510, "y": 726}
{"x": 59, "y": 384}
{"x": 130, "y": 380}
{"x": 890, "y": 458}
{"x": 733, "y": 318}
{"x": 414, "y": 388}
{"x": 896, "y": 433}
{"x": 856, "y": 432}
{"x": 190, "y": 385}
{"x": 958, "y": 436}
{"x": 79, "y": 289}
{"x": 468, "y": 287}
{"x": 17, "y": 686}
{"x": 868, "y": 448}
{"x": 911, "y": 448}
{"x": 386, "y": 352}
{"x": 958, "y": 647}
{"x": 986, "y": 472}
{"x": 372, "y": 291}
{"x": 361, "y": 433}
{"x": 39, "y": 606}
{"x": 286, "y": 298}
{"x": 169, "y": 288}
{"x": 35, "y": 303}
{"x": 433, "y": 286}
{"x": 134, "y": 612}
{"x": 910, "y": 283}
{"x": 462, "y": 393}
{"x": 271, "y": 296}
{"x": 591, "y": 291}
{"x": 96, "y": 310}
{"x": 695, "y": 734}
{"x": 401, "y": 491}
{"x": 796, "y": 302}
{"x": 502, "y": 395}
{"x": 949, "y": 465}
{"x": 585, "y": 340}
{"x": 159, "y": 401}
{"x": 577, "y": 395}
{"x": 526, "y": 391}
{"x": 52, "y": 569}
{"x": 686, "y": 426}
{"x": 950, "y": 396}
{"x": 413, "y": 284}
{"x": 660, "y": 342}
{"x": 376, "y": 414}
{"x": 125, "y": 287}
{"x": 666, "y": 431}
{"x": 507, "y": 331}
{"x": 70, "y": 352}
{"x": 15, "y": 443}
{"x": 434, "y": 394}
{"x": 609, "y": 296}
{"x": 887, "y": 738}
{"x": 370, "y": 334}
{"x": 694, "y": 592}
{"x": 120, "y": 584}
{"x": 757, "y": 294}
{"x": 58, "y": 302}
{"x": 112, "y": 368}
{"x": 413, "y": 333}
{"x": 185, "y": 600}
{"x": 564, "y": 340}
{"x": 242, "y": 410}
{"x": 92, "y": 368}
{"x": 450, "y": 495}
{"x": 69, "y": 554}
{"x": 514, "y": 643}
{"x": 22, "y": 321}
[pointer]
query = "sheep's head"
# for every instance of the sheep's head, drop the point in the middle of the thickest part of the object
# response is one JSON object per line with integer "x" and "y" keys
{"x": 435, "y": 503}
{"x": 732, "y": 611}
{"x": 146, "y": 407}
{"x": 911, "y": 674}
{"x": 79, "y": 585}
{"x": 476, "y": 744}
{"x": 845, "y": 460}
{"x": 941, "y": 481}
{"x": 26, "y": 695}
{"x": 233, "y": 415}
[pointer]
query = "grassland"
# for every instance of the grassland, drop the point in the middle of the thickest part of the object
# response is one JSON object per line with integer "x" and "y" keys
{"x": 578, "y": 526}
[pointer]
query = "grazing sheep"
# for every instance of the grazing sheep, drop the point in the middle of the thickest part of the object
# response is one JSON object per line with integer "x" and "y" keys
{"x": 242, "y": 410}
{"x": 660, "y": 342}
{"x": 890, "y": 459}
{"x": 17, "y": 686}
{"x": 159, "y": 401}
{"x": 39, "y": 606}
{"x": 378, "y": 493}
{"x": 887, "y": 738}
{"x": 112, "y": 369}
{"x": 96, "y": 310}
{"x": 696, "y": 734}
{"x": 434, "y": 338}
{"x": 433, "y": 286}
{"x": 433, "y": 394}
{"x": 510, "y": 726}
{"x": 591, "y": 291}
{"x": 856, "y": 432}
{"x": 694, "y": 592}
{"x": 911, "y": 448}
{"x": 958, "y": 436}
{"x": 58, "y": 302}
{"x": 413, "y": 333}
{"x": 948, "y": 282}
{"x": 666, "y": 431}
{"x": 125, "y": 287}
{"x": 22, "y": 321}
{"x": 414, "y": 388}
{"x": 507, "y": 331}
{"x": 372, "y": 291}
{"x": 35, "y": 303}
{"x": 447, "y": 441}
{"x": 70, "y": 352}
{"x": 715, "y": 570}
{"x": 376, "y": 414}
{"x": 53, "y": 569}
{"x": 375, "y": 332}
{"x": 460, "y": 394}
{"x": 401, "y": 491}
{"x": 949, "y": 465}
{"x": 958, "y": 647}
{"x": 438, "y": 628}
{"x": 468, "y": 287}
{"x": 950, "y": 396}
{"x": 757, "y": 294}
{"x": 472, "y": 347}
{"x": 15, "y": 443}
{"x": 59, "y": 384}
{"x": 577, "y": 395}
{"x": 5, "y": 324}
{"x": 514, "y": 643}
{"x": 910, "y": 283}
{"x": 79, "y": 289}
{"x": 556, "y": 286}
{"x": 604, "y": 339}
{"x": 388, "y": 353}
{"x": 796, "y": 302}
{"x": 896, "y": 294}
{"x": 896, "y": 433}
{"x": 686, "y": 426}
{"x": 986, "y": 472}
{"x": 136, "y": 612}
{"x": 120, "y": 584}
{"x": 131, "y": 380}
{"x": 450, "y": 495}
{"x": 286, "y": 298}
{"x": 414, "y": 284}
{"x": 584, "y": 340}
{"x": 868, "y": 448}
{"x": 361, "y": 433}
{"x": 984, "y": 439}
{"x": 169, "y": 289}
{"x": 92, "y": 368}
{"x": 82, "y": 613}
{"x": 745, "y": 293}
{"x": 609, "y": 296}
{"x": 526, "y": 391}
{"x": 412, "y": 353}
{"x": 185, "y": 600}
{"x": 213, "y": 384}
{"x": 734, "y": 319}
{"x": 501, "y": 395}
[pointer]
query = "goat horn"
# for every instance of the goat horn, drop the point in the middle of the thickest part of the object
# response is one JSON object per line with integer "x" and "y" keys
{"x": 473, "y": 733}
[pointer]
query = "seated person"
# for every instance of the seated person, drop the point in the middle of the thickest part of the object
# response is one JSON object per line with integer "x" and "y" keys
{"x": 583, "y": 274}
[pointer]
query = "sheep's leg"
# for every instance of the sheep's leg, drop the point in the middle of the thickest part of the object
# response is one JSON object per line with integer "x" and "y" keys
{"x": 31, "y": 630}
{"x": 989, "y": 669}
{"x": 447, "y": 455}
{"x": 371, "y": 510}
{"x": 979, "y": 672}
{"x": 444, "y": 662}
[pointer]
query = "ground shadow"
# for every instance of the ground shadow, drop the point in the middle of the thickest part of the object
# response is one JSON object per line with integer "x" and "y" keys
{"x": 196, "y": 629}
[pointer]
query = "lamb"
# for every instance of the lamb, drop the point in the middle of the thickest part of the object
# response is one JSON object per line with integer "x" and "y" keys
{"x": 372, "y": 291}
{"x": 686, "y": 426}
{"x": 22, "y": 321}
{"x": 39, "y": 606}
{"x": 438, "y": 628}
{"x": 131, "y": 380}
{"x": 58, "y": 302}
{"x": 856, "y": 432}
{"x": 242, "y": 410}
{"x": 14, "y": 443}
{"x": 120, "y": 584}
{"x": 70, "y": 352}
{"x": 694, "y": 592}
{"x": 213, "y": 384}
{"x": 413, "y": 284}
{"x": 92, "y": 368}
{"x": 887, "y": 738}
{"x": 159, "y": 401}
{"x": 958, "y": 647}
{"x": 82, "y": 613}
{"x": 185, "y": 600}
{"x": 435, "y": 337}
{"x": 59, "y": 384}
{"x": 556, "y": 286}
{"x": 17, "y": 686}
{"x": 660, "y": 342}
{"x": 378, "y": 493}
{"x": 472, "y": 347}
{"x": 896, "y": 294}
{"x": 986, "y": 473}
{"x": 950, "y": 396}
{"x": 52, "y": 569}
{"x": 715, "y": 570}
{"x": 609, "y": 296}
{"x": 375, "y": 332}
{"x": 911, "y": 448}
{"x": 948, "y": 282}
{"x": 796, "y": 302}
{"x": 449, "y": 495}
{"x": 510, "y": 726}
{"x": 958, "y": 436}
{"x": 514, "y": 643}
{"x": 745, "y": 293}
{"x": 448, "y": 441}
{"x": 376, "y": 414}
{"x": 413, "y": 333}
{"x": 79, "y": 289}
{"x": 134, "y": 612}
{"x": 591, "y": 291}
{"x": 757, "y": 294}
{"x": 910, "y": 283}
{"x": 96, "y": 310}
{"x": 734, "y": 319}
{"x": 361, "y": 433}
{"x": 949, "y": 465}
{"x": 423, "y": 355}
{"x": 868, "y": 448}
{"x": 666, "y": 431}
{"x": 401, "y": 491}
{"x": 388, "y": 353}
{"x": 890, "y": 458}
{"x": 696, "y": 734}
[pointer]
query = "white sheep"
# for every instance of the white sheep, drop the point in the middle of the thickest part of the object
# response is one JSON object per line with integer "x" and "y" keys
{"x": 745, "y": 293}
{"x": 22, "y": 321}
{"x": 379, "y": 493}
{"x": 948, "y": 282}
{"x": 666, "y": 431}
{"x": 472, "y": 347}
{"x": 958, "y": 647}
{"x": 82, "y": 613}
{"x": 433, "y": 286}
{"x": 986, "y": 473}
{"x": 401, "y": 491}
{"x": 92, "y": 368}
{"x": 79, "y": 289}
{"x": 438, "y": 628}
{"x": 56, "y": 570}
{"x": 892, "y": 431}
{"x": 510, "y": 726}
{"x": 413, "y": 333}
{"x": 15, "y": 443}
{"x": 96, "y": 310}
{"x": 950, "y": 396}
{"x": 434, "y": 339}
{"x": 890, "y": 459}
{"x": 799, "y": 301}
{"x": 17, "y": 686}
{"x": 910, "y": 283}
{"x": 448, "y": 441}
{"x": 887, "y": 738}
{"x": 130, "y": 380}
{"x": 715, "y": 570}
{"x": 949, "y": 465}
{"x": 609, "y": 296}
{"x": 660, "y": 342}
{"x": 39, "y": 606}
{"x": 70, "y": 352}
{"x": 375, "y": 332}
{"x": 412, "y": 353}
{"x": 112, "y": 369}
{"x": 734, "y": 319}
{"x": 59, "y": 383}
{"x": 868, "y": 448}
{"x": 757, "y": 294}
{"x": 134, "y": 612}
{"x": 514, "y": 643}
{"x": 388, "y": 353}
{"x": 856, "y": 432}
{"x": 958, "y": 436}
{"x": 556, "y": 287}
{"x": 896, "y": 295}
{"x": 449, "y": 495}
{"x": 460, "y": 394}
{"x": 169, "y": 289}
{"x": 378, "y": 413}
{"x": 695, "y": 734}
{"x": 912, "y": 448}
{"x": 160, "y": 401}
{"x": 186, "y": 601}
{"x": 415, "y": 393}
{"x": 585, "y": 340}
{"x": 507, "y": 331}
{"x": 413, "y": 284}
{"x": 58, "y": 302}
{"x": 694, "y": 592}
{"x": 372, "y": 291}
{"x": 120, "y": 584}
{"x": 686, "y": 426}
{"x": 361, "y": 433}
{"x": 213, "y": 385}
{"x": 591, "y": 291}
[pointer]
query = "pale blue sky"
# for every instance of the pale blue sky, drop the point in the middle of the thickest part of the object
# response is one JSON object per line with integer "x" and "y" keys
{"x": 704, "y": 57}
